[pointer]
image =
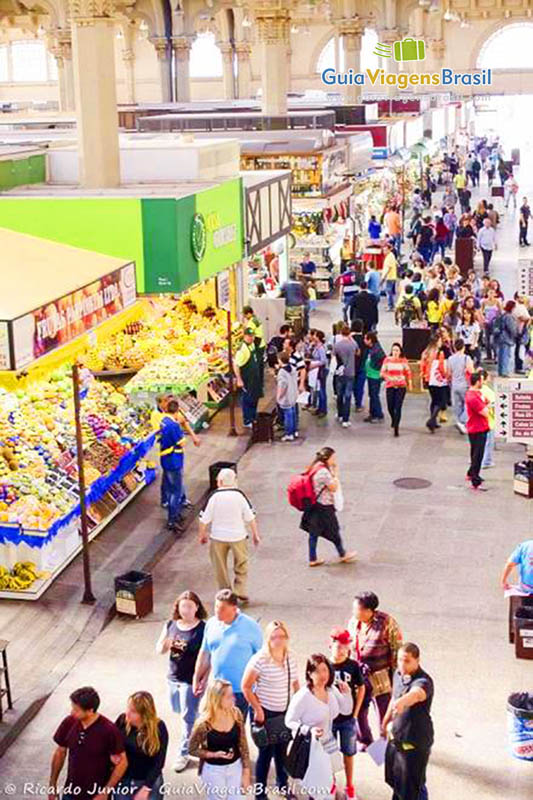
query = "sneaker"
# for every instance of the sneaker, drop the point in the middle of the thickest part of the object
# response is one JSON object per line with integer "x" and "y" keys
{"x": 479, "y": 488}
{"x": 287, "y": 438}
{"x": 461, "y": 428}
{"x": 443, "y": 417}
{"x": 346, "y": 424}
{"x": 317, "y": 563}
{"x": 487, "y": 466}
{"x": 350, "y": 792}
{"x": 186, "y": 504}
{"x": 296, "y": 434}
{"x": 247, "y": 425}
{"x": 180, "y": 763}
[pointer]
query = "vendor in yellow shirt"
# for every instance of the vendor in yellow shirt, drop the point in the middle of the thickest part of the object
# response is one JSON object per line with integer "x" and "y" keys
{"x": 460, "y": 180}
{"x": 249, "y": 373}
{"x": 390, "y": 275}
{"x": 490, "y": 395}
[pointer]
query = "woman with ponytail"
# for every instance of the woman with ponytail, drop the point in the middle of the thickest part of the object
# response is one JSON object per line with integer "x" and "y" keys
{"x": 146, "y": 742}
{"x": 321, "y": 518}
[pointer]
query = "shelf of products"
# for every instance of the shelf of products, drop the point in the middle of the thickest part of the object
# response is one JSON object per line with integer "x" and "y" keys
{"x": 39, "y": 495}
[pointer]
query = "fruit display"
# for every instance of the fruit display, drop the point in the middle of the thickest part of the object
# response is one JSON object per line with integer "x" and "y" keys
{"x": 38, "y": 467}
{"x": 169, "y": 328}
{"x": 175, "y": 374}
{"x": 21, "y": 577}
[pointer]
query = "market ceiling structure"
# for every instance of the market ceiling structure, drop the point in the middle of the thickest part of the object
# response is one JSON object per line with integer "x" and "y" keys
{"x": 80, "y": 35}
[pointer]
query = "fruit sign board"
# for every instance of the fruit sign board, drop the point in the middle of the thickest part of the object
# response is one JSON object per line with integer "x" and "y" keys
{"x": 44, "y": 329}
{"x": 514, "y": 411}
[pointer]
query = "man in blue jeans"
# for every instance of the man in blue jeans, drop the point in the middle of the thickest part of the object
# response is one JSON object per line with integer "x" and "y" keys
{"x": 345, "y": 352}
{"x": 231, "y": 638}
{"x": 374, "y": 360}
{"x": 171, "y": 443}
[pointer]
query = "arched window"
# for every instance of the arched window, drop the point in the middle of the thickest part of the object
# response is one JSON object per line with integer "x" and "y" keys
{"x": 326, "y": 58}
{"x": 206, "y": 58}
{"x": 26, "y": 62}
{"x": 508, "y": 48}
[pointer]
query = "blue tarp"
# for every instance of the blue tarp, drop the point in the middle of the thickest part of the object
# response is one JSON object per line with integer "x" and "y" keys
{"x": 15, "y": 534}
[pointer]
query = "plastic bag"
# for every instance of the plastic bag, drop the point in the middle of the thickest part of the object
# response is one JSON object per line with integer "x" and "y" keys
{"x": 338, "y": 497}
{"x": 318, "y": 779}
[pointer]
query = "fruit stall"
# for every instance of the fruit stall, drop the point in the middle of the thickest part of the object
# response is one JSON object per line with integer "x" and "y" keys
{"x": 61, "y": 313}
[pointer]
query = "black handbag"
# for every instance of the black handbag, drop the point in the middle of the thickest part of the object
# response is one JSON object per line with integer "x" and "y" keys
{"x": 297, "y": 758}
{"x": 273, "y": 730}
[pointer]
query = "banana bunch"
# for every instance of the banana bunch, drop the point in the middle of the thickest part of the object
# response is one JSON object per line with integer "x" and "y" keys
{"x": 23, "y": 574}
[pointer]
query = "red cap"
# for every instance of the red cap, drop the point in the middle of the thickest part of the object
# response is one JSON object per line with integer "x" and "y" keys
{"x": 340, "y": 635}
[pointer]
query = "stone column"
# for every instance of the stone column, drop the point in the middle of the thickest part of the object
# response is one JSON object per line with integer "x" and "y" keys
{"x": 273, "y": 26}
{"x": 163, "y": 60}
{"x": 128, "y": 58}
{"x": 389, "y": 64}
{"x": 60, "y": 47}
{"x": 181, "y": 48}
{"x": 244, "y": 70}
{"x": 93, "y": 59}
{"x": 436, "y": 49}
{"x": 352, "y": 33}
{"x": 228, "y": 70}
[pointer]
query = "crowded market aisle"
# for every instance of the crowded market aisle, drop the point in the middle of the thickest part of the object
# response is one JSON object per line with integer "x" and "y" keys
{"x": 433, "y": 556}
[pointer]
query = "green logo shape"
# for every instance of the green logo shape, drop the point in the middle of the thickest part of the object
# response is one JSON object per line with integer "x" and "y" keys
{"x": 198, "y": 237}
{"x": 383, "y": 50}
{"x": 410, "y": 50}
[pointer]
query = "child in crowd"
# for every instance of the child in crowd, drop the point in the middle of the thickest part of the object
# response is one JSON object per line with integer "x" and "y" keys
{"x": 287, "y": 396}
{"x": 345, "y": 725}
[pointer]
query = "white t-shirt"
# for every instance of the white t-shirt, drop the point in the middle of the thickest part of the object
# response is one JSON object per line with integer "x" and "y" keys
{"x": 272, "y": 686}
{"x": 228, "y": 511}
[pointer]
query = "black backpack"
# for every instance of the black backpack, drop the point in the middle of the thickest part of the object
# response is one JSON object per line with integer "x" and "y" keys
{"x": 408, "y": 311}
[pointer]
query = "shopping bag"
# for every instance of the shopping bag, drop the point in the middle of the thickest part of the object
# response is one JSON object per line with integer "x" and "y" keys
{"x": 409, "y": 50}
{"x": 304, "y": 399}
{"x": 338, "y": 498}
{"x": 318, "y": 778}
{"x": 312, "y": 378}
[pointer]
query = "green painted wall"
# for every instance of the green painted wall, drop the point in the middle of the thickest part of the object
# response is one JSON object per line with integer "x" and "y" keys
{"x": 167, "y": 265}
{"x": 22, "y": 171}
{"x": 112, "y": 226}
{"x": 225, "y": 201}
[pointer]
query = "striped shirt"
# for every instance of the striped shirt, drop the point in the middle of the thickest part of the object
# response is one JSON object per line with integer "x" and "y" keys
{"x": 296, "y": 360}
{"x": 272, "y": 685}
{"x": 395, "y": 372}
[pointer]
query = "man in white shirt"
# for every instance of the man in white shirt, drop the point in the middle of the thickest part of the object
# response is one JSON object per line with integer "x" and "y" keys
{"x": 486, "y": 240}
{"x": 228, "y": 514}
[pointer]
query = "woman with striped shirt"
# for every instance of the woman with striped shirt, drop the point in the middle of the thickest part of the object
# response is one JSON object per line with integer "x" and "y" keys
{"x": 396, "y": 373}
{"x": 270, "y": 677}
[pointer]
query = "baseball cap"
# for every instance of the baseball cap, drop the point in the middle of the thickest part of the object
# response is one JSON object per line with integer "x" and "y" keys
{"x": 249, "y": 332}
{"x": 340, "y": 635}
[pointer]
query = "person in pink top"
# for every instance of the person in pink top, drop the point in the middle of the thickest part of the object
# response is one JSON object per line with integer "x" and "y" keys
{"x": 396, "y": 373}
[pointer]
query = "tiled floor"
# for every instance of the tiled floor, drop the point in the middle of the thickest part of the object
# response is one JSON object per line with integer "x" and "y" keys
{"x": 434, "y": 557}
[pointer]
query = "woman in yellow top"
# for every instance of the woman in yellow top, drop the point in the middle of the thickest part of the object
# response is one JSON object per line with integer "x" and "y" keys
{"x": 434, "y": 309}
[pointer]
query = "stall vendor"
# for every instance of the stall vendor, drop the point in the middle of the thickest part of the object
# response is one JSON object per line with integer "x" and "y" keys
{"x": 171, "y": 441}
{"x": 307, "y": 266}
{"x": 253, "y": 322}
{"x": 249, "y": 375}
{"x": 522, "y": 559}
{"x": 156, "y": 417}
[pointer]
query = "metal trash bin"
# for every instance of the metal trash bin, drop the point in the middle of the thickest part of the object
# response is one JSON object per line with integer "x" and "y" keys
{"x": 523, "y": 632}
{"x": 134, "y": 593}
{"x": 215, "y": 468}
{"x": 520, "y": 725}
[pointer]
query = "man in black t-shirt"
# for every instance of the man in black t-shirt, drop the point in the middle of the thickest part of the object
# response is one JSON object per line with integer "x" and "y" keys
{"x": 411, "y": 730}
{"x": 344, "y": 726}
{"x": 525, "y": 213}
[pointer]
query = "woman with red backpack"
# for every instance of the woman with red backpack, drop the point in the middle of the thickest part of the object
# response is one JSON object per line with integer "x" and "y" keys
{"x": 320, "y": 517}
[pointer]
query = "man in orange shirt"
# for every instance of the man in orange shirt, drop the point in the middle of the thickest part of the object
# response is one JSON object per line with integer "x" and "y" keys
{"x": 393, "y": 223}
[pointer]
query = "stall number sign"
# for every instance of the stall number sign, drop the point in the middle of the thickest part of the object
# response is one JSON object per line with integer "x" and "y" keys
{"x": 525, "y": 276}
{"x": 514, "y": 411}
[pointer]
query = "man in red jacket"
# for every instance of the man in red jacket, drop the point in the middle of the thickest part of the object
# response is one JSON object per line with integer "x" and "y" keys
{"x": 477, "y": 425}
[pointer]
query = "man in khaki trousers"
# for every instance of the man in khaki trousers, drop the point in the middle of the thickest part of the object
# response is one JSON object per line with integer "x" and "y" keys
{"x": 225, "y": 521}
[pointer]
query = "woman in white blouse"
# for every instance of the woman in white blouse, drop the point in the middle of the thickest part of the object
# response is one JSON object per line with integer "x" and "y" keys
{"x": 315, "y": 707}
{"x": 269, "y": 680}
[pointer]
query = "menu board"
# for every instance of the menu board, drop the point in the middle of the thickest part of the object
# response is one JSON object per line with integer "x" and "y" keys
{"x": 514, "y": 411}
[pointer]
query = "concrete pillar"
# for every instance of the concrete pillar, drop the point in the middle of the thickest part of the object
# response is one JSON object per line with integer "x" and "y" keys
{"x": 244, "y": 70}
{"x": 390, "y": 36}
{"x": 59, "y": 44}
{"x": 93, "y": 59}
{"x": 163, "y": 60}
{"x": 352, "y": 33}
{"x": 128, "y": 58}
{"x": 181, "y": 48}
{"x": 273, "y": 26}
{"x": 435, "y": 55}
{"x": 228, "y": 70}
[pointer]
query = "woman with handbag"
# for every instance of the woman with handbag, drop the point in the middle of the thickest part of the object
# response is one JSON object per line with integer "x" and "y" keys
{"x": 376, "y": 641}
{"x": 313, "y": 710}
{"x": 269, "y": 679}
{"x": 219, "y": 741}
{"x": 321, "y": 518}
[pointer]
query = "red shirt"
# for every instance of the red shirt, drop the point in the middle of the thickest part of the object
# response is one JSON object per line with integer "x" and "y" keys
{"x": 476, "y": 421}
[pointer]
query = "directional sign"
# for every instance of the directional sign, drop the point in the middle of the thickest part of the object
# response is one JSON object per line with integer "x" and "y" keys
{"x": 514, "y": 410}
{"x": 525, "y": 276}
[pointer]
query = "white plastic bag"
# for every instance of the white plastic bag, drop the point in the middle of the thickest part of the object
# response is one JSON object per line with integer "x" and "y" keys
{"x": 318, "y": 779}
{"x": 312, "y": 378}
{"x": 338, "y": 497}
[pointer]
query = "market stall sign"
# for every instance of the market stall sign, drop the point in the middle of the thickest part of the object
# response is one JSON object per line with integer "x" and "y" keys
{"x": 514, "y": 410}
{"x": 198, "y": 237}
{"x": 59, "y": 322}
